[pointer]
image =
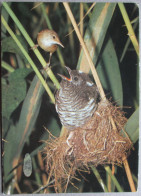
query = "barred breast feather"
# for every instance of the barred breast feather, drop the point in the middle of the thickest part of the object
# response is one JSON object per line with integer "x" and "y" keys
{"x": 75, "y": 104}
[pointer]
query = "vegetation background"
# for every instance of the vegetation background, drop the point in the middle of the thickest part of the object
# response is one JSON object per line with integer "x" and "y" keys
{"x": 28, "y": 104}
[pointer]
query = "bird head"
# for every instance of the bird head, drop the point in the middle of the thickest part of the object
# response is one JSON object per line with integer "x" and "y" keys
{"x": 53, "y": 38}
{"x": 47, "y": 39}
{"x": 77, "y": 77}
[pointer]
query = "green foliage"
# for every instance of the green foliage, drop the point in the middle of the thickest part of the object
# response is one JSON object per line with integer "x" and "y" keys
{"x": 132, "y": 126}
{"x": 109, "y": 72}
{"x": 14, "y": 91}
{"x": 9, "y": 45}
{"x": 96, "y": 32}
{"x": 6, "y": 16}
{"x": 18, "y": 135}
{"x": 26, "y": 109}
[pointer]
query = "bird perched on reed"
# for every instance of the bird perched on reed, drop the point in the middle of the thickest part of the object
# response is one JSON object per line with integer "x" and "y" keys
{"x": 76, "y": 100}
{"x": 48, "y": 40}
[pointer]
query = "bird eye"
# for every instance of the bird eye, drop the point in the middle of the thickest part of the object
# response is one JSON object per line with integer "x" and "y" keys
{"x": 75, "y": 78}
{"x": 54, "y": 37}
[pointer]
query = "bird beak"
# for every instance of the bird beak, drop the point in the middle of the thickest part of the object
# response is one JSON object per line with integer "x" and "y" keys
{"x": 59, "y": 43}
{"x": 64, "y": 77}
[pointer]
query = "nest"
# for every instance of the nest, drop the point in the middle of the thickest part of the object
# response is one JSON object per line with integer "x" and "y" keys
{"x": 97, "y": 143}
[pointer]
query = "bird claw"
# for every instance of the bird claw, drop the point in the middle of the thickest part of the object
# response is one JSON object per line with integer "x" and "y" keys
{"x": 47, "y": 66}
{"x": 34, "y": 47}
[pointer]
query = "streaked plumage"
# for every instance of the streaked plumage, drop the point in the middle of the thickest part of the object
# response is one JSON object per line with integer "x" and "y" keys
{"x": 76, "y": 100}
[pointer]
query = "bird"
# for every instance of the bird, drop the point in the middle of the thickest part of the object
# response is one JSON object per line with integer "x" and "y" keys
{"x": 48, "y": 40}
{"x": 76, "y": 100}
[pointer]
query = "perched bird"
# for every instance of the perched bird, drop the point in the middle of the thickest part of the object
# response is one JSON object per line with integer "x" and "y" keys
{"x": 48, "y": 40}
{"x": 76, "y": 100}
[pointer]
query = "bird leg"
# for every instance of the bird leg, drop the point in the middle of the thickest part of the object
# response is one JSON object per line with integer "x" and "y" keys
{"x": 50, "y": 55}
{"x": 48, "y": 63}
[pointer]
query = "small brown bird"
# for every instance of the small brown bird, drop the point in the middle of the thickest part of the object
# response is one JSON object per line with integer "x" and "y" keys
{"x": 76, "y": 100}
{"x": 48, "y": 40}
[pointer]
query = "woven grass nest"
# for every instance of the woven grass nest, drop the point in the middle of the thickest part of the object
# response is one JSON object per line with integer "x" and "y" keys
{"x": 97, "y": 143}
